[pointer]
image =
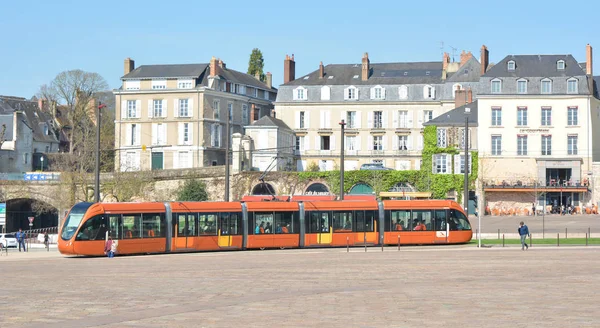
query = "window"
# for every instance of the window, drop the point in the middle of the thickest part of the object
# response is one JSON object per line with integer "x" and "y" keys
{"x": 441, "y": 163}
{"x": 572, "y": 145}
{"x": 572, "y": 116}
{"x": 230, "y": 111}
{"x": 546, "y": 145}
{"x": 522, "y": 86}
{"x": 546, "y": 86}
{"x": 403, "y": 119}
{"x": 216, "y": 110}
{"x": 184, "y": 110}
{"x": 184, "y": 161}
{"x": 462, "y": 138}
{"x": 325, "y": 93}
{"x": 185, "y": 133}
{"x": 157, "y": 108}
{"x": 560, "y": 65}
{"x": 521, "y": 145}
{"x": 402, "y": 142}
{"x": 511, "y": 65}
{"x": 441, "y": 138}
{"x": 299, "y": 143}
{"x": 458, "y": 221}
{"x": 496, "y": 116}
{"x": 572, "y": 86}
{"x": 185, "y": 84}
{"x": 522, "y": 116}
{"x": 351, "y": 120}
{"x": 300, "y": 93}
{"x": 160, "y": 134}
{"x": 134, "y": 132}
{"x": 131, "y": 109}
{"x": 378, "y": 93}
{"x": 496, "y": 145}
{"x": 302, "y": 124}
{"x": 46, "y": 129}
{"x": 403, "y": 92}
{"x": 377, "y": 120}
{"x": 93, "y": 229}
{"x": 256, "y": 114}
{"x": 427, "y": 116}
{"x": 351, "y": 93}
{"x": 207, "y": 223}
{"x": 461, "y": 164}
{"x": 378, "y": 143}
{"x": 496, "y": 86}
{"x": 325, "y": 143}
{"x": 215, "y": 135}
{"x": 428, "y": 92}
{"x": 351, "y": 143}
{"x": 266, "y": 94}
{"x": 132, "y": 85}
{"x": 546, "y": 116}
{"x": 245, "y": 114}
{"x": 342, "y": 221}
{"x": 159, "y": 84}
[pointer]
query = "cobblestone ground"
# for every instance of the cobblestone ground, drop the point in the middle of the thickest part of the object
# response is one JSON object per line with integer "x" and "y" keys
{"x": 416, "y": 287}
{"x": 552, "y": 224}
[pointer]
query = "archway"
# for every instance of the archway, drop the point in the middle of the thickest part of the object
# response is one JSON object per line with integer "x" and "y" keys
{"x": 263, "y": 189}
{"x": 20, "y": 209}
{"x": 361, "y": 188}
{"x": 317, "y": 188}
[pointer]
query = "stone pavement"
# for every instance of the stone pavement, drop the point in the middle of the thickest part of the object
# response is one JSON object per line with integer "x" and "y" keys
{"x": 552, "y": 224}
{"x": 456, "y": 286}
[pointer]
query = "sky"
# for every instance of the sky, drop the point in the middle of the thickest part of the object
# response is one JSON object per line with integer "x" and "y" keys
{"x": 44, "y": 38}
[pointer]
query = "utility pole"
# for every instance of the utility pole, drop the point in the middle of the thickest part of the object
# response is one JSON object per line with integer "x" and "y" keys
{"x": 466, "y": 186}
{"x": 227, "y": 127}
{"x": 97, "y": 177}
{"x": 342, "y": 125}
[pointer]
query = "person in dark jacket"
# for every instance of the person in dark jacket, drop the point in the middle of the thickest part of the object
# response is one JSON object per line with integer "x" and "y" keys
{"x": 523, "y": 232}
{"x": 21, "y": 240}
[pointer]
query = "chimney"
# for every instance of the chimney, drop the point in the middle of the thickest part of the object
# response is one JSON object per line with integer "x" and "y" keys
{"x": 445, "y": 61}
{"x": 222, "y": 64}
{"x": 252, "y": 112}
{"x": 41, "y": 103}
{"x": 588, "y": 60}
{"x": 469, "y": 96}
{"x": 321, "y": 70}
{"x": 365, "y": 67}
{"x": 460, "y": 98}
{"x": 485, "y": 59}
{"x": 269, "y": 80}
{"x": 464, "y": 57}
{"x": 289, "y": 69}
{"x": 129, "y": 65}
{"x": 213, "y": 67}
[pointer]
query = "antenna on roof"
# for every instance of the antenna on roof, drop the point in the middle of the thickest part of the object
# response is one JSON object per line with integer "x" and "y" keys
{"x": 442, "y": 48}
{"x": 453, "y": 53}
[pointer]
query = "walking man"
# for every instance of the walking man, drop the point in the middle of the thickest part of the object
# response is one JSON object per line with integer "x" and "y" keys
{"x": 21, "y": 240}
{"x": 523, "y": 232}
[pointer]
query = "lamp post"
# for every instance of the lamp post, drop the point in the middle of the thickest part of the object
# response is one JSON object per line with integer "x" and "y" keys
{"x": 42, "y": 160}
{"x": 466, "y": 175}
{"x": 227, "y": 132}
{"x": 97, "y": 170}
{"x": 342, "y": 126}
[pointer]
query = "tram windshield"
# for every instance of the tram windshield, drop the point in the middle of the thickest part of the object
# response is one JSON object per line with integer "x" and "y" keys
{"x": 73, "y": 220}
{"x": 458, "y": 221}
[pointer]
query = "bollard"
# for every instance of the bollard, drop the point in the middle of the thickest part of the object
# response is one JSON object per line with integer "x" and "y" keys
{"x": 589, "y": 232}
{"x": 498, "y": 233}
{"x": 566, "y": 234}
{"x": 502, "y": 240}
{"x": 529, "y": 240}
{"x": 586, "y": 239}
{"x": 398, "y": 242}
{"x": 382, "y": 244}
{"x": 347, "y": 244}
{"x": 365, "y": 241}
{"x": 557, "y": 240}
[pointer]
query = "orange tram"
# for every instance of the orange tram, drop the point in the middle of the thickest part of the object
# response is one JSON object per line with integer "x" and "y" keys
{"x": 169, "y": 227}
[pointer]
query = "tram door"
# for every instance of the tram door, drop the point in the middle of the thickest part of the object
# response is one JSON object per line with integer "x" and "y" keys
{"x": 226, "y": 227}
{"x": 366, "y": 222}
{"x": 186, "y": 227}
{"x": 441, "y": 226}
{"x": 320, "y": 224}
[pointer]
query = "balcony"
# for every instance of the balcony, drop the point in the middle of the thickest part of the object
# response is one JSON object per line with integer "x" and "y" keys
{"x": 358, "y": 153}
{"x": 531, "y": 185}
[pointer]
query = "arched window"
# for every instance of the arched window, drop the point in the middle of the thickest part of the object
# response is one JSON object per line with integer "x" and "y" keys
{"x": 317, "y": 189}
{"x": 300, "y": 93}
{"x": 361, "y": 189}
{"x": 263, "y": 189}
{"x": 511, "y": 65}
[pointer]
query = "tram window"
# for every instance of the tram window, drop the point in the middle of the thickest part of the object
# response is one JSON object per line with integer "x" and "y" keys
{"x": 207, "y": 224}
{"x": 93, "y": 229}
{"x": 458, "y": 221}
{"x": 284, "y": 222}
{"x": 400, "y": 220}
{"x": 114, "y": 223}
{"x": 342, "y": 221}
{"x": 370, "y": 219}
{"x": 132, "y": 226}
{"x": 421, "y": 220}
{"x": 180, "y": 221}
{"x": 235, "y": 223}
{"x": 263, "y": 223}
{"x": 318, "y": 221}
{"x": 440, "y": 220}
{"x": 229, "y": 223}
{"x": 153, "y": 225}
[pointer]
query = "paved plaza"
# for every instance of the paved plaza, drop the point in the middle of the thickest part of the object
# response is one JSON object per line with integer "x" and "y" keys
{"x": 455, "y": 286}
{"x": 552, "y": 224}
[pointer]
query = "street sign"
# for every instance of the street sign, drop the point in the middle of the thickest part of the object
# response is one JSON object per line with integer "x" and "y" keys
{"x": 31, "y": 220}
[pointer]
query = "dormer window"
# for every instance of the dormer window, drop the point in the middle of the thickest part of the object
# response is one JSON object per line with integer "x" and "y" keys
{"x": 377, "y": 92}
{"x": 185, "y": 84}
{"x": 511, "y": 65}
{"x": 300, "y": 93}
{"x": 521, "y": 86}
{"x": 546, "y": 86}
{"x": 355, "y": 77}
{"x": 351, "y": 93}
{"x": 572, "y": 85}
{"x": 455, "y": 88}
{"x": 325, "y": 93}
{"x": 306, "y": 77}
{"x": 496, "y": 86}
{"x": 560, "y": 65}
{"x": 403, "y": 92}
{"x": 428, "y": 92}
{"x": 132, "y": 85}
{"x": 159, "y": 84}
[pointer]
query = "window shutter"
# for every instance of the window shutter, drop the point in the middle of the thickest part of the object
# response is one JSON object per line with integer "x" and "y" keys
{"x": 395, "y": 119}
{"x": 327, "y": 119}
{"x": 384, "y": 119}
{"x": 164, "y": 108}
{"x": 318, "y": 142}
{"x": 164, "y": 134}
{"x": 219, "y": 135}
{"x": 213, "y": 134}
{"x": 175, "y": 160}
{"x": 190, "y": 134}
{"x": 410, "y": 115}
{"x": 395, "y": 143}
{"x": 154, "y": 133}
{"x": 346, "y": 93}
{"x": 369, "y": 119}
{"x": 123, "y": 109}
{"x": 384, "y": 143}
{"x": 357, "y": 95}
{"x": 176, "y": 108}
{"x": 409, "y": 143}
{"x": 332, "y": 142}
{"x": 425, "y": 93}
{"x": 297, "y": 121}
{"x": 357, "y": 117}
{"x": 420, "y": 143}
{"x": 357, "y": 143}
{"x": 434, "y": 166}
{"x": 302, "y": 144}
{"x": 470, "y": 162}
{"x": 138, "y": 108}
{"x": 432, "y": 92}
{"x": 456, "y": 164}
{"x": 417, "y": 165}
{"x": 180, "y": 133}
{"x": 420, "y": 119}
{"x": 448, "y": 162}
{"x": 138, "y": 135}
{"x": 370, "y": 142}
{"x": 307, "y": 119}
{"x": 343, "y": 115}
{"x": 306, "y": 143}
{"x": 372, "y": 93}
{"x": 305, "y": 94}
{"x": 382, "y": 93}
{"x": 150, "y": 108}
{"x": 128, "y": 140}
{"x": 136, "y": 161}
{"x": 191, "y": 107}
{"x": 295, "y": 94}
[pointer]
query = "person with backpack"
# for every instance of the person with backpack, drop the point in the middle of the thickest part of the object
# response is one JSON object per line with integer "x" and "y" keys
{"x": 523, "y": 232}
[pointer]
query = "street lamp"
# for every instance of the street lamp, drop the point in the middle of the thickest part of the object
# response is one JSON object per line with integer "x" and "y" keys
{"x": 466, "y": 175}
{"x": 42, "y": 160}
{"x": 342, "y": 125}
{"x": 97, "y": 171}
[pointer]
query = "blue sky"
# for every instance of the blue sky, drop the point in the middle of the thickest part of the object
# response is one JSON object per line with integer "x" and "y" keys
{"x": 43, "y": 38}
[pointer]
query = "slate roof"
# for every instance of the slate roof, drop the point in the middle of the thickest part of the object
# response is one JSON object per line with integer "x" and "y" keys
{"x": 36, "y": 118}
{"x": 270, "y": 121}
{"x": 536, "y": 66}
{"x": 596, "y": 84}
{"x": 456, "y": 117}
{"x": 380, "y": 73}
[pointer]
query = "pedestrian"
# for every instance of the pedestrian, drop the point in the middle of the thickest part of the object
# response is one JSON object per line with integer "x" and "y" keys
{"x": 523, "y": 232}
{"x": 533, "y": 209}
{"x": 110, "y": 248}
{"x": 46, "y": 244}
{"x": 21, "y": 240}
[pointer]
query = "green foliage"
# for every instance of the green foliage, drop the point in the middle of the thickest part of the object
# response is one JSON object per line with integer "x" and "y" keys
{"x": 379, "y": 180}
{"x": 192, "y": 190}
{"x": 312, "y": 167}
{"x": 256, "y": 64}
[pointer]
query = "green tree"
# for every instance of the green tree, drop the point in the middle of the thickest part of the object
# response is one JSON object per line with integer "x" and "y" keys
{"x": 256, "y": 64}
{"x": 192, "y": 190}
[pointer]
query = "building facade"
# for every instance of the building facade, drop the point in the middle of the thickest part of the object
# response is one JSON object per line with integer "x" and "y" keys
{"x": 272, "y": 145}
{"x": 537, "y": 117}
{"x": 174, "y": 116}
{"x": 384, "y": 107}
